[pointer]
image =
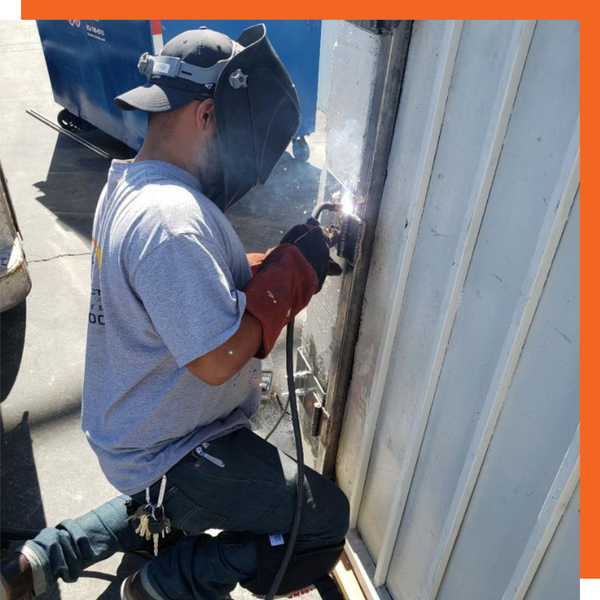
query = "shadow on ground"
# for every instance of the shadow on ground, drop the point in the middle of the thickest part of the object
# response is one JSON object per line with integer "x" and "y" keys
{"x": 20, "y": 484}
{"x": 13, "y": 323}
{"x": 75, "y": 179}
{"x": 129, "y": 564}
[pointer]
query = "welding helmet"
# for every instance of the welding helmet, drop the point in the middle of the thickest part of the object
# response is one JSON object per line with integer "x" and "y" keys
{"x": 256, "y": 105}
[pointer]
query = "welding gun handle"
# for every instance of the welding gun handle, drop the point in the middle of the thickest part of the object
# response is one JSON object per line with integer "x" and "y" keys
{"x": 332, "y": 233}
{"x": 332, "y": 237}
{"x": 319, "y": 208}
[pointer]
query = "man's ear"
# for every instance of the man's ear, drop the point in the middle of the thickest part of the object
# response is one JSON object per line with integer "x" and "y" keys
{"x": 205, "y": 113}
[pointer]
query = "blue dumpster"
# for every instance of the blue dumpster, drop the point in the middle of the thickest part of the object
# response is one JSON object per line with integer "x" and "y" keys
{"x": 91, "y": 62}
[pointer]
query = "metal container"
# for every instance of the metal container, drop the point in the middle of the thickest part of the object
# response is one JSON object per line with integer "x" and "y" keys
{"x": 91, "y": 62}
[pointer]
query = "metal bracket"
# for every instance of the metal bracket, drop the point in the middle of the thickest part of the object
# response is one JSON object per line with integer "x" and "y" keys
{"x": 310, "y": 393}
{"x": 266, "y": 385}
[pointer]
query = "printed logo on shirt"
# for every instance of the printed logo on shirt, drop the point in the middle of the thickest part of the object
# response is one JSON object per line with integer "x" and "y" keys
{"x": 96, "y": 254}
{"x": 96, "y": 316}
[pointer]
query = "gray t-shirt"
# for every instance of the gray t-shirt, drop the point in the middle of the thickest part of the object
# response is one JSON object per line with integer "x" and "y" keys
{"x": 167, "y": 268}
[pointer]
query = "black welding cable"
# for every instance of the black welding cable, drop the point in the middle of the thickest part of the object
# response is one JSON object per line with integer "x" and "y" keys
{"x": 289, "y": 360}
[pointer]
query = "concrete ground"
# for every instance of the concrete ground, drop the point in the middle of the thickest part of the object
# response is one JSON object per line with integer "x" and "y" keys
{"x": 48, "y": 471}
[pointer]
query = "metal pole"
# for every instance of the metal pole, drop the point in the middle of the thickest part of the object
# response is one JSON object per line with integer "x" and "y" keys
{"x": 78, "y": 139}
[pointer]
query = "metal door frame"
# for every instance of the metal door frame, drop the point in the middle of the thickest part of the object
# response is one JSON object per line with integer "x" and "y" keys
{"x": 395, "y": 38}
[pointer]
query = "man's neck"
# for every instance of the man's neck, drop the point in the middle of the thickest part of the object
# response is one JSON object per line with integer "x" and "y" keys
{"x": 150, "y": 151}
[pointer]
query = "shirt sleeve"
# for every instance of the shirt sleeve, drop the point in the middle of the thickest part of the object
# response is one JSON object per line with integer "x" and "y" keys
{"x": 187, "y": 290}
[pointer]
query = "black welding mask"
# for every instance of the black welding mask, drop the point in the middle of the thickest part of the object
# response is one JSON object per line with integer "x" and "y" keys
{"x": 256, "y": 105}
{"x": 257, "y": 112}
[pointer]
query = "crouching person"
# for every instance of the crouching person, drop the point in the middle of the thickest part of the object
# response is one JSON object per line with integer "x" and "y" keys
{"x": 182, "y": 319}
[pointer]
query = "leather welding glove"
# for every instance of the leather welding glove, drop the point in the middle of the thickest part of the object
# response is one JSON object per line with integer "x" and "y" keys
{"x": 286, "y": 280}
{"x": 302, "y": 236}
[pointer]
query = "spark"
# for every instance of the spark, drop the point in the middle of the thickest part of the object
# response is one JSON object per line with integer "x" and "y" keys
{"x": 347, "y": 204}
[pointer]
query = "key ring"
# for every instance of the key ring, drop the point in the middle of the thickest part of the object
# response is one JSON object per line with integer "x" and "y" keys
{"x": 161, "y": 496}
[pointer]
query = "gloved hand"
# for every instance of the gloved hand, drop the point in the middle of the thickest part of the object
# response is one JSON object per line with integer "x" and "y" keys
{"x": 287, "y": 279}
{"x": 314, "y": 243}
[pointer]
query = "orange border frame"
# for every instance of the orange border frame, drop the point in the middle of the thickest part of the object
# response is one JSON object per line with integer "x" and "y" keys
{"x": 590, "y": 410}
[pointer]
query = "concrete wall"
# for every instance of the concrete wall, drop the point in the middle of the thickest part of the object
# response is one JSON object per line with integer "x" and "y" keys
{"x": 460, "y": 447}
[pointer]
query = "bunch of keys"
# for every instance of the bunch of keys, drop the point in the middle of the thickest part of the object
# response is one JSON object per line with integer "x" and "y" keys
{"x": 159, "y": 525}
{"x": 154, "y": 524}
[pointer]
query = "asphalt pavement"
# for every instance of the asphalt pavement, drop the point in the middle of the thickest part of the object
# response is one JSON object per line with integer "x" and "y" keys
{"x": 48, "y": 471}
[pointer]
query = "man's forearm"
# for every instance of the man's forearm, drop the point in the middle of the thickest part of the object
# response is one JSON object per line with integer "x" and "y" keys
{"x": 222, "y": 363}
{"x": 283, "y": 282}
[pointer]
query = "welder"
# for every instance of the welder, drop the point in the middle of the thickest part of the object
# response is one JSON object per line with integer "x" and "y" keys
{"x": 179, "y": 318}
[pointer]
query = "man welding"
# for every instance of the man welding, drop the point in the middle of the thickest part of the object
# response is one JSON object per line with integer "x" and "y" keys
{"x": 179, "y": 317}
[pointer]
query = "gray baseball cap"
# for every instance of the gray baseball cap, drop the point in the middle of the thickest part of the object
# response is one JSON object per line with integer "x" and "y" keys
{"x": 187, "y": 68}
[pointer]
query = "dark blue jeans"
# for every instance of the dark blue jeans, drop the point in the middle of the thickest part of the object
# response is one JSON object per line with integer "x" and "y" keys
{"x": 253, "y": 492}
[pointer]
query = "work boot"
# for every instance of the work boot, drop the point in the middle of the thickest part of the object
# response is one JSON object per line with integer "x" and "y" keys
{"x": 16, "y": 578}
{"x": 132, "y": 588}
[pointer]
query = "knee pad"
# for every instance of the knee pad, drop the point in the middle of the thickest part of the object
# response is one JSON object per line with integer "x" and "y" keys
{"x": 304, "y": 569}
